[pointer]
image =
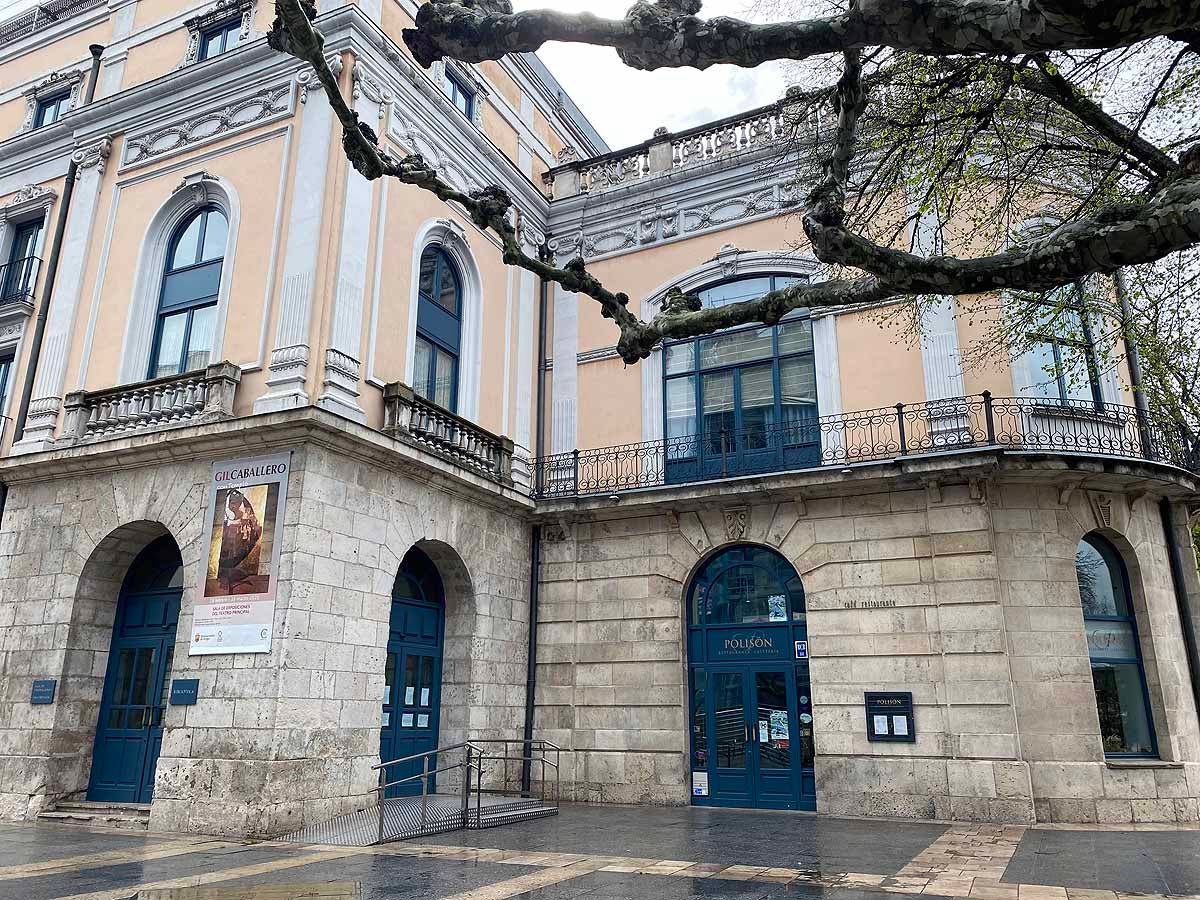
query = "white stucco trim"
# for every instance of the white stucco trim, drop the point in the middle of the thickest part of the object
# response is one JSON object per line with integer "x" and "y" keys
{"x": 196, "y": 190}
{"x": 451, "y": 237}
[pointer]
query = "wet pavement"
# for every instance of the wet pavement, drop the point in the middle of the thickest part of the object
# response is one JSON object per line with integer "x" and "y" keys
{"x": 619, "y": 853}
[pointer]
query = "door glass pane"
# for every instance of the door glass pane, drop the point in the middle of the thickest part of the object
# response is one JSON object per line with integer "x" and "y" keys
{"x": 795, "y": 337}
{"x": 699, "y": 720}
{"x": 758, "y": 405}
{"x": 727, "y": 349}
{"x": 410, "y": 680}
{"x": 1077, "y": 381}
{"x": 679, "y": 358}
{"x": 143, "y": 668}
{"x": 681, "y": 417}
{"x": 773, "y": 721}
{"x": 1124, "y": 725}
{"x": 798, "y": 399}
{"x": 730, "y": 716}
{"x": 426, "y": 696}
{"x": 200, "y": 340}
{"x": 170, "y": 345}
{"x": 443, "y": 392}
{"x": 718, "y": 412}
{"x": 1043, "y": 371}
{"x": 389, "y": 678}
{"x": 804, "y": 713}
{"x": 124, "y": 680}
{"x": 422, "y": 369}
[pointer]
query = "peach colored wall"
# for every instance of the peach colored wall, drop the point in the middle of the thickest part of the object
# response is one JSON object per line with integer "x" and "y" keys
{"x": 878, "y": 366}
{"x": 154, "y": 59}
{"x": 502, "y": 82}
{"x": 610, "y": 403}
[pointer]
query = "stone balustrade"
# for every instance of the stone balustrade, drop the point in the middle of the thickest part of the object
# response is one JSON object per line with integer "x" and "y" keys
{"x": 665, "y": 152}
{"x": 204, "y": 395}
{"x": 425, "y": 425}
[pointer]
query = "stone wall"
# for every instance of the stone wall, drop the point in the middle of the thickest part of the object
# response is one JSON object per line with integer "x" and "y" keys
{"x": 963, "y": 594}
{"x": 275, "y": 740}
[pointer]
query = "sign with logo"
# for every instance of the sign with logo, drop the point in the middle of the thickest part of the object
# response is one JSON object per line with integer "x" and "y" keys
{"x": 236, "y": 610}
{"x": 699, "y": 784}
{"x": 43, "y": 691}
{"x": 890, "y": 716}
{"x": 184, "y": 691}
{"x": 748, "y": 644}
{"x": 801, "y": 649}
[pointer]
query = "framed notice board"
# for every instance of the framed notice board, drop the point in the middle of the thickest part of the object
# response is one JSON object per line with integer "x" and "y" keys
{"x": 890, "y": 716}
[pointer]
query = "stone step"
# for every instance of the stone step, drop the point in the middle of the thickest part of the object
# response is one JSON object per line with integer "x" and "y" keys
{"x": 135, "y": 816}
{"x": 102, "y": 806}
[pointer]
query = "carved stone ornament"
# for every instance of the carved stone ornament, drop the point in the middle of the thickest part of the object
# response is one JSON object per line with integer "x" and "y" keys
{"x": 567, "y": 155}
{"x": 52, "y": 84}
{"x": 368, "y": 84}
{"x": 93, "y": 155}
{"x": 727, "y": 257}
{"x": 306, "y": 76}
{"x": 29, "y": 197}
{"x": 1103, "y": 508}
{"x": 199, "y": 183}
{"x": 222, "y": 11}
{"x": 736, "y": 519}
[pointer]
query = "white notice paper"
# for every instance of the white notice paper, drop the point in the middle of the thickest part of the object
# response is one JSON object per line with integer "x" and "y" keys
{"x": 764, "y": 734}
{"x": 406, "y": 720}
{"x": 699, "y": 784}
{"x": 424, "y": 696}
{"x": 423, "y": 720}
{"x": 409, "y": 694}
{"x": 900, "y": 725}
{"x": 880, "y": 724}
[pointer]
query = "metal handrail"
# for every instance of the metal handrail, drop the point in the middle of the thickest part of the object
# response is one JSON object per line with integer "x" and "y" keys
{"x": 449, "y": 748}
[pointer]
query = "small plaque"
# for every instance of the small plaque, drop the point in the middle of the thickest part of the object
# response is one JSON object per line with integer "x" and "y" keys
{"x": 699, "y": 784}
{"x": 43, "y": 691}
{"x": 801, "y": 649}
{"x": 184, "y": 691}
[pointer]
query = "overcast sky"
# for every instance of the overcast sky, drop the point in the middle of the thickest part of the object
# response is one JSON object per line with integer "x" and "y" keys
{"x": 627, "y": 105}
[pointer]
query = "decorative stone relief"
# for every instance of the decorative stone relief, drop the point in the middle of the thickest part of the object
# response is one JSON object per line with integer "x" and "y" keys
{"x": 368, "y": 84}
{"x": 265, "y": 104}
{"x": 306, "y": 76}
{"x": 94, "y": 155}
{"x": 54, "y": 83}
{"x": 736, "y": 520}
{"x": 1110, "y": 511}
{"x": 199, "y": 184}
{"x": 29, "y": 197}
{"x": 220, "y": 12}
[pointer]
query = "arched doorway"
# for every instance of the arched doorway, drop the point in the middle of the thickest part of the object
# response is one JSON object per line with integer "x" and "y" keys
{"x": 750, "y": 703}
{"x": 129, "y": 730}
{"x": 413, "y": 671}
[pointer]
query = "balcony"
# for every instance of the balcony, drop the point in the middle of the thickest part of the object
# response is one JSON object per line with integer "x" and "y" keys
{"x": 876, "y": 435}
{"x": 205, "y": 395}
{"x": 18, "y": 279}
{"x": 426, "y": 426}
{"x": 41, "y": 17}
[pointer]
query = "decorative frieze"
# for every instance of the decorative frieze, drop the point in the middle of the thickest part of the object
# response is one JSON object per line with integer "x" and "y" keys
{"x": 263, "y": 105}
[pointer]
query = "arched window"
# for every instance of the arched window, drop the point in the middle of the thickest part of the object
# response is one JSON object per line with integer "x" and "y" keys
{"x": 439, "y": 329}
{"x": 1126, "y": 727}
{"x": 187, "y": 303}
{"x": 743, "y": 400}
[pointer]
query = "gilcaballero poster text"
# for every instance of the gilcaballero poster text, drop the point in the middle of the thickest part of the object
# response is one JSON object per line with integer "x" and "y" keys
{"x": 244, "y": 525}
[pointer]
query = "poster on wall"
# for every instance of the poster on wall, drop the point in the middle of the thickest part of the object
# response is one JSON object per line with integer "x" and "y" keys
{"x": 244, "y": 528}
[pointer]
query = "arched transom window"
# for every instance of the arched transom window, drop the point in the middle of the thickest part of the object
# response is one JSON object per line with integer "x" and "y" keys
{"x": 1126, "y": 726}
{"x": 743, "y": 400}
{"x": 187, "y": 304}
{"x": 439, "y": 329}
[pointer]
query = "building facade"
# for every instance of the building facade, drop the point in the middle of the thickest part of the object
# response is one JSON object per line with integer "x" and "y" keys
{"x": 304, "y": 478}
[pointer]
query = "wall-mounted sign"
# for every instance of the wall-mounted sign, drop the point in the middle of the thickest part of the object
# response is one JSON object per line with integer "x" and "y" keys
{"x": 184, "y": 691}
{"x": 236, "y": 611}
{"x": 801, "y": 649}
{"x": 43, "y": 691}
{"x": 890, "y": 716}
{"x": 742, "y": 643}
{"x": 699, "y": 784}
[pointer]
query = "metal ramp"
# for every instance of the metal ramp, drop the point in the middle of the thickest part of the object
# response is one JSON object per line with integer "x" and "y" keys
{"x": 486, "y": 799}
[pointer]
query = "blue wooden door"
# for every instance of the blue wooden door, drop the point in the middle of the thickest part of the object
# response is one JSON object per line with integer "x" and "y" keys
{"x": 129, "y": 732}
{"x": 413, "y": 673}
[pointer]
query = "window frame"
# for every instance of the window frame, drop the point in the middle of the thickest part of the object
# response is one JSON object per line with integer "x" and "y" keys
{"x": 455, "y": 85}
{"x": 8, "y": 365}
{"x": 59, "y": 101}
{"x": 1086, "y": 346}
{"x": 433, "y": 317}
{"x": 188, "y": 307}
{"x": 697, "y": 371}
{"x": 1120, "y": 578}
{"x": 20, "y": 286}
{"x": 223, "y": 28}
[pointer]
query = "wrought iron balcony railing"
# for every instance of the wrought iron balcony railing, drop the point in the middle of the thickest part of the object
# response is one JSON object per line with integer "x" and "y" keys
{"x": 42, "y": 16}
{"x": 18, "y": 279}
{"x": 1021, "y": 424}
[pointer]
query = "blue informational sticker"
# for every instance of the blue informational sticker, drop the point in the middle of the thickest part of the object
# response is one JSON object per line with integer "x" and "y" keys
{"x": 801, "y": 649}
{"x": 184, "y": 691}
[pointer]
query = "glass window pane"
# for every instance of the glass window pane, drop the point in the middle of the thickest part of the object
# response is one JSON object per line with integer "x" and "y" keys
{"x": 771, "y": 694}
{"x": 726, "y": 349}
{"x": 1111, "y": 640}
{"x": 733, "y": 291}
{"x": 170, "y": 345}
{"x": 681, "y": 417}
{"x": 140, "y": 694}
{"x": 5, "y": 374}
{"x": 699, "y": 720}
{"x": 804, "y": 711}
{"x": 447, "y": 297}
{"x": 216, "y": 230}
{"x": 389, "y": 679}
{"x": 1043, "y": 370}
{"x": 411, "y": 664}
{"x": 200, "y": 341}
{"x": 1077, "y": 381}
{"x": 443, "y": 390}
{"x": 1100, "y": 588}
{"x": 679, "y": 358}
{"x": 795, "y": 337}
{"x": 730, "y": 720}
{"x": 718, "y": 422}
{"x": 186, "y": 246}
{"x": 739, "y": 596}
{"x": 425, "y": 698}
{"x": 1120, "y": 702}
{"x": 758, "y": 405}
{"x": 428, "y": 270}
